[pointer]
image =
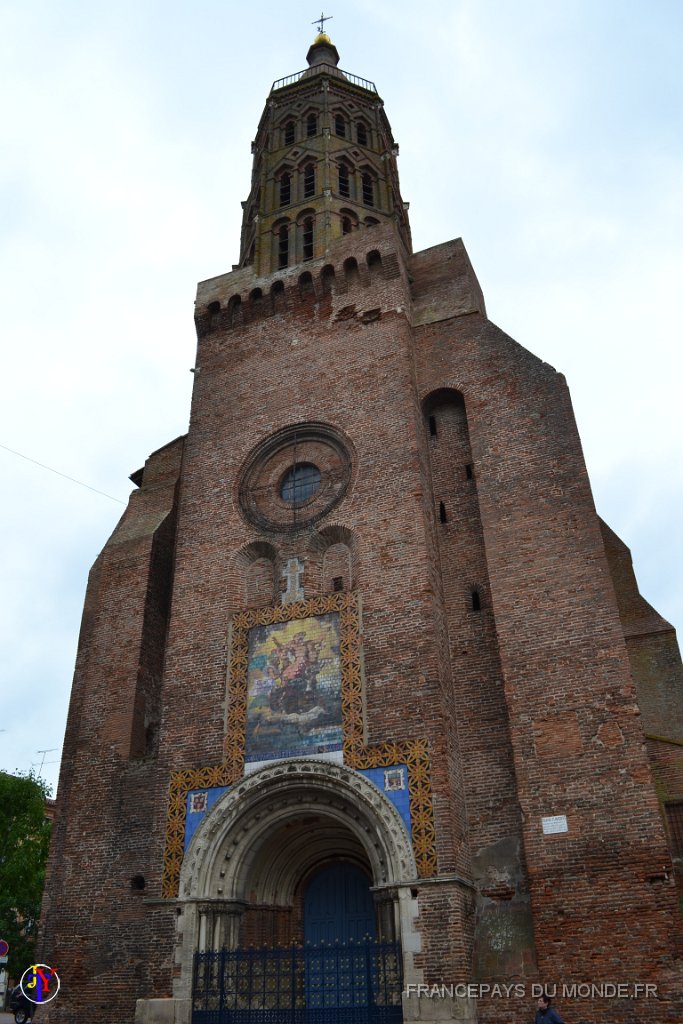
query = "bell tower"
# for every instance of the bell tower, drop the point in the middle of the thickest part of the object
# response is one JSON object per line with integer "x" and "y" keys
{"x": 355, "y": 711}
{"x": 324, "y": 166}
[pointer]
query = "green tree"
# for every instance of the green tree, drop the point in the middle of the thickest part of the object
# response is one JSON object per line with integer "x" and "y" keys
{"x": 24, "y": 844}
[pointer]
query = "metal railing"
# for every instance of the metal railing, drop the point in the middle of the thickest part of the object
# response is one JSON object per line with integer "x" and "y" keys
{"x": 329, "y": 69}
{"x": 344, "y": 983}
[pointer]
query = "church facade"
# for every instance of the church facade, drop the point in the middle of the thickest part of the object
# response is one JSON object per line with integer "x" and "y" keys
{"x": 367, "y": 706}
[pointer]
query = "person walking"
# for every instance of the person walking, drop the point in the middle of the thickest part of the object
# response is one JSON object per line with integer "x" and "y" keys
{"x": 545, "y": 1014}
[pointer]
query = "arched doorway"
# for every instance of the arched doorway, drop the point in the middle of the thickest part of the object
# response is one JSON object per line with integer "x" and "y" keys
{"x": 338, "y": 905}
{"x": 292, "y": 889}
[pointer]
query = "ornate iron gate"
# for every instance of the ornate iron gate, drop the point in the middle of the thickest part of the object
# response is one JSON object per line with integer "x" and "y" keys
{"x": 354, "y": 983}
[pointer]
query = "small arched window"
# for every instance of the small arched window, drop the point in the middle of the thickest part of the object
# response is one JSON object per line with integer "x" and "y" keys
{"x": 283, "y": 247}
{"x": 368, "y": 190}
{"x": 361, "y": 134}
{"x": 306, "y": 287}
{"x": 327, "y": 279}
{"x": 309, "y": 181}
{"x": 344, "y": 186}
{"x": 346, "y": 226}
{"x": 351, "y": 270}
{"x": 374, "y": 263}
{"x": 277, "y": 295}
{"x": 285, "y": 189}
{"x": 235, "y": 310}
{"x": 214, "y": 314}
{"x": 289, "y": 133}
{"x": 308, "y": 238}
{"x": 256, "y": 300}
{"x": 311, "y": 125}
{"x": 340, "y": 126}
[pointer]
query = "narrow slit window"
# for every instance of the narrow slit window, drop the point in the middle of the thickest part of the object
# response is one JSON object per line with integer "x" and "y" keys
{"x": 368, "y": 190}
{"x": 338, "y": 583}
{"x": 311, "y": 125}
{"x": 289, "y": 133}
{"x": 283, "y": 247}
{"x": 340, "y": 126}
{"x": 309, "y": 181}
{"x": 346, "y": 225}
{"x": 476, "y": 601}
{"x": 442, "y": 513}
{"x": 432, "y": 426}
{"x": 235, "y": 310}
{"x": 468, "y": 471}
{"x": 344, "y": 188}
{"x": 285, "y": 190}
{"x": 674, "y": 820}
{"x": 308, "y": 238}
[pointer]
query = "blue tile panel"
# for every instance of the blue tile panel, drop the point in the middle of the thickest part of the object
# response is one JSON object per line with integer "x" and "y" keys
{"x": 202, "y": 800}
{"x": 393, "y": 782}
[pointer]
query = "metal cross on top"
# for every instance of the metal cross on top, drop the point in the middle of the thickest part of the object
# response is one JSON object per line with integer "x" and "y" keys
{"x": 322, "y": 19}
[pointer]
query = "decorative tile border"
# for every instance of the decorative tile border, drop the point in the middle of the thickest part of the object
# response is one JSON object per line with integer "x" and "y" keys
{"x": 413, "y": 753}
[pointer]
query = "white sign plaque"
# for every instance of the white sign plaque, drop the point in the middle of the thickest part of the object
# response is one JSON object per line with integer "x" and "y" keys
{"x": 555, "y": 824}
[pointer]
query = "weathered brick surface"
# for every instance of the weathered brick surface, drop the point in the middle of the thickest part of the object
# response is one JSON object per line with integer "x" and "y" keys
{"x": 499, "y": 620}
{"x": 92, "y": 916}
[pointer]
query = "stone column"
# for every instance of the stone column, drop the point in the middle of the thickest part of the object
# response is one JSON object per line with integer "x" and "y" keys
{"x": 387, "y": 913}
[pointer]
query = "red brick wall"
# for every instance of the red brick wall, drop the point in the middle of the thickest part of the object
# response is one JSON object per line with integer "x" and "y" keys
{"x": 528, "y": 704}
{"x": 94, "y": 923}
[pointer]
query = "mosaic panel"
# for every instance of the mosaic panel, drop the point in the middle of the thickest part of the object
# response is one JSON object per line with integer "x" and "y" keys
{"x": 414, "y": 754}
{"x": 294, "y": 689}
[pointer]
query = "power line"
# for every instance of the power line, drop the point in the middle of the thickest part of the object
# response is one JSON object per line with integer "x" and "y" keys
{"x": 64, "y": 475}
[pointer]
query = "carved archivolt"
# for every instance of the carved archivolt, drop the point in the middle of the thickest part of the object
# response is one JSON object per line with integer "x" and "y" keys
{"x": 228, "y": 841}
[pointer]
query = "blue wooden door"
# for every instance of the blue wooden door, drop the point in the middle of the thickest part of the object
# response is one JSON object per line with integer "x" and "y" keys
{"x": 338, "y": 906}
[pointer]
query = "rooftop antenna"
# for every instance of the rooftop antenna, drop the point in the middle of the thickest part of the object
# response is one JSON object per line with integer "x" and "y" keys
{"x": 322, "y": 19}
{"x": 50, "y": 750}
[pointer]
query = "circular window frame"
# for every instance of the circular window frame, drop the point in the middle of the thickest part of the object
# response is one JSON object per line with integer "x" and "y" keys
{"x": 259, "y": 496}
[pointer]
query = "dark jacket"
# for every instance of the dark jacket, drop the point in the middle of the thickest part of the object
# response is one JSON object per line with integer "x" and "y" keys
{"x": 548, "y": 1016}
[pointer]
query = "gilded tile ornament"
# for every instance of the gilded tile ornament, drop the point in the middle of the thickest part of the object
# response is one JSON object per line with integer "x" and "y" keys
{"x": 413, "y": 753}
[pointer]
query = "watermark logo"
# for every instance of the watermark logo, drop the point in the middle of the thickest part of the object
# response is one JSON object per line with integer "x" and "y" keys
{"x": 519, "y": 990}
{"x": 39, "y": 983}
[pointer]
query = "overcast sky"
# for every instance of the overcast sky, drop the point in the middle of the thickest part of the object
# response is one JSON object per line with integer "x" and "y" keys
{"x": 546, "y": 134}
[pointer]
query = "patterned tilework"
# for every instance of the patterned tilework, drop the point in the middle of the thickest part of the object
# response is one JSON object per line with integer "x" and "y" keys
{"x": 396, "y": 790}
{"x": 413, "y": 754}
{"x": 199, "y": 803}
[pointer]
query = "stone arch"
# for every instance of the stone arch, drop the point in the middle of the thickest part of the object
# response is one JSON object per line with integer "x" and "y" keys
{"x": 233, "y": 865}
{"x": 234, "y": 837}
